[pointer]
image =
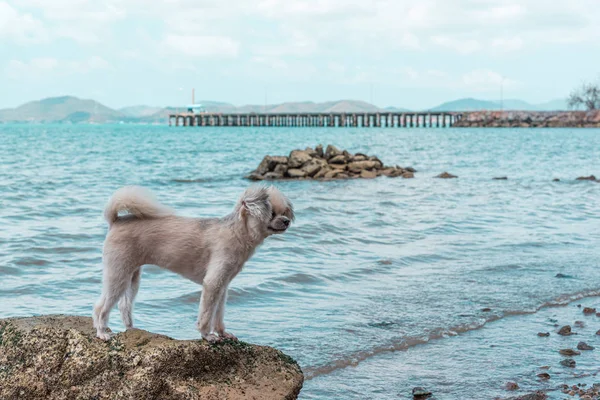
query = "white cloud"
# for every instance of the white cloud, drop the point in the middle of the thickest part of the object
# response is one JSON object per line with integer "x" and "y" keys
{"x": 485, "y": 80}
{"x": 462, "y": 46}
{"x": 20, "y": 27}
{"x": 202, "y": 46}
{"x": 48, "y": 66}
{"x": 508, "y": 44}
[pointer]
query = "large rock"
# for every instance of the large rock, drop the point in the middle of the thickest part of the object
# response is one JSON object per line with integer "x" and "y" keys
{"x": 298, "y": 158}
{"x": 296, "y": 173}
{"x": 357, "y": 166}
{"x": 58, "y": 357}
{"x": 339, "y": 159}
{"x": 332, "y": 151}
{"x": 269, "y": 163}
{"x": 313, "y": 166}
{"x": 446, "y": 175}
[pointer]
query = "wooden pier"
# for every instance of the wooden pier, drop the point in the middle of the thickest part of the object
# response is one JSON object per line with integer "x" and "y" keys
{"x": 349, "y": 119}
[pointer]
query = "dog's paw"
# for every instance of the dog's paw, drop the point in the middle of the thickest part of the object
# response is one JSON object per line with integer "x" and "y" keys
{"x": 211, "y": 338}
{"x": 106, "y": 336}
{"x": 228, "y": 336}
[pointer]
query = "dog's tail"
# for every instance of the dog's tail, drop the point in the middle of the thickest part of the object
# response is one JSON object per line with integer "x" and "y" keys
{"x": 137, "y": 201}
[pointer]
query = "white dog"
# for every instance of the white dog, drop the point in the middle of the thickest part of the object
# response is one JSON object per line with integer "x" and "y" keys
{"x": 210, "y": 252}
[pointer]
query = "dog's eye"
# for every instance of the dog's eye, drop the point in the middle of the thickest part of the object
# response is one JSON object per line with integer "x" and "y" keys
{"x": 273, "y": 215}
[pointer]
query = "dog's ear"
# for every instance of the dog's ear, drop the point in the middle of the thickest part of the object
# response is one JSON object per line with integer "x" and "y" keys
{"x": 255, "y": 202}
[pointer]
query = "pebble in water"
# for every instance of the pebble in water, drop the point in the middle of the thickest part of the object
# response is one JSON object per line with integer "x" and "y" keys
{"x": 568, "y": 362}
{"x": 584, "y": 346}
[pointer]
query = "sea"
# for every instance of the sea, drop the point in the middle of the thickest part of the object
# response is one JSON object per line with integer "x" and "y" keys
{"x": 379, "y": 286}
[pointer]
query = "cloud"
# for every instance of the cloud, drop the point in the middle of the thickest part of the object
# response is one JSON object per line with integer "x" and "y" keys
{"x": 48, "y": 66}
{"x": 485, "y": 80}
{"x": 20, "y": 27}
{"x": 202, "y": 46}
{"x": 462, "y": 46}
{"x": 508, "y": 44}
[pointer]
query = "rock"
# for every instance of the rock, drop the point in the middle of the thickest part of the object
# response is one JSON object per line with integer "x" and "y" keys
{"x": 589, "y": 310}
{"x": 410, "y": 169}
{"x": 569, "y": 352}
{"x": 341, "y": 175}
{"x": 385, "y": 262}
{"x": 319, "y": 150}
{"x": 598, "y": 332}
{"x": 487, "y": 309}
{"x": 544, "y": 376}
{"x": 357, "y": 166}
{"x": 420, "y": 393}
{"x": 565, "y": 331}
{"x": 584, "y": 346}
{"x": 579, "y": 324}
{"x": 511, "y": 386}
{"x": 281, "y": 169}
{"x": 500, "y": 178}
{"x": 586, "y": 178}
{"x": 58, "y": 357}
{"x": 269, "y": 176}
{"x": 313, "y": 166}
{"x": 407, "y": 175}
{"x": 339, "y": 167}
{"x": 531, "y": 396}
{"x": 368, "y": 174}
{"x": 359, "y": 157}
{"x": 331, "y": 174}
{"x": 568, "y": 362}
{"x": 322, "y": 172}
{"x": 446, "y": 175}
{"x": 269, "y": 163}
{"x": 296, "y": 173}
{"x": 559, "y": 275}
{"x": 298, "y": 158}
{"x": 543, "y": 334}
{"x": 555, "y": 180}
{"x": 255, "y": 177}
{"x": 311, "y": 152}
{"x": 331, "y": 151}
{"x": 339, "y": 159}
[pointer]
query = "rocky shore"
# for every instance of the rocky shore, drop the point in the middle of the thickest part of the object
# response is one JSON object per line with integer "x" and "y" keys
{"x": 529, "y": 119}
{"x": 58, "y": 357}
{"x": 327, "y": 164}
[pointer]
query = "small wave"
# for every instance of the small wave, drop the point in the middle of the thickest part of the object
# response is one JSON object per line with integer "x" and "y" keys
{"x": 405, "y": 343}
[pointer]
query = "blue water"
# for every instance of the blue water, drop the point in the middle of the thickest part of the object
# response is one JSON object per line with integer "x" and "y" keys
{"x": 371, "y": 285}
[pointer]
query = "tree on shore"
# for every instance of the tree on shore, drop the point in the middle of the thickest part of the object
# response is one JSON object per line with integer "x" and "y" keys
{"x": 587, "y": 95}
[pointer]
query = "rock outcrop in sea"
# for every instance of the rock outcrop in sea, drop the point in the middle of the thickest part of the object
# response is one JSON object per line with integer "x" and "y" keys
{"x": 59, "y": 357}
{"x": 529, "y": 119}
{"x": 327, "y": 164}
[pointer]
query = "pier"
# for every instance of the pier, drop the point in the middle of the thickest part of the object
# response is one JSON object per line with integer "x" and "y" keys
{"x": 338, "y": 119}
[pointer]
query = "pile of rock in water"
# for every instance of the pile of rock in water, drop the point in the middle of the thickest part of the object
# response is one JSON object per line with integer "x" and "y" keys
{"x": 325, "y": 165}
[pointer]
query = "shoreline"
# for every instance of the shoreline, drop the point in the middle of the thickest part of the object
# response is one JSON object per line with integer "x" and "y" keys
{"x": 538, "y": 370}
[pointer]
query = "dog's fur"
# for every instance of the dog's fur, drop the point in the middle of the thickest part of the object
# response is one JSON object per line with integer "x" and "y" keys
{"x": 210, "y": 252}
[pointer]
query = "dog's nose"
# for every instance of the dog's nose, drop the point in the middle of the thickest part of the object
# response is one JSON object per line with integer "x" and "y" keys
{"x": 286, "y": 222}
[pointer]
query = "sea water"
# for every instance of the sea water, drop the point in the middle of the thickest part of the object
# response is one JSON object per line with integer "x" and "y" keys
{"x": 379, "y": 286}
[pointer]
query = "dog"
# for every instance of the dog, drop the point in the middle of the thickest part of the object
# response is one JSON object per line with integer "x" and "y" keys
{"x": 207, "y": 251}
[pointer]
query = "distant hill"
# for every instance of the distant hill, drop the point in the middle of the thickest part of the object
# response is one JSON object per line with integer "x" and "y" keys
{"x": 64, "y": 108}
{"x": 139, "y": 111}
{"x": 75, "y": 110}
{"x": 470, "y": 104}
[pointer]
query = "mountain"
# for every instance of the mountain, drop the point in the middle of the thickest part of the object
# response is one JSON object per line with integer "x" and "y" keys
{"x": 470, "y": 104}
{"x": 139, "y": 111}
{"x": 61, "y": 109}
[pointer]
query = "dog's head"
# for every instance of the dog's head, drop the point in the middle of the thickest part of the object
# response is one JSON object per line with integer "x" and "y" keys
{"x": 265, "y": 210}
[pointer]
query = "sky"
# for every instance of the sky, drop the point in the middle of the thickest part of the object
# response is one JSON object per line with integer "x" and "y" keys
{"x": 413, "y": 54}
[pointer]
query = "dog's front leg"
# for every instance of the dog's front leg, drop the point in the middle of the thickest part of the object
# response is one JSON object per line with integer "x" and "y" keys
{"x": 211, "y": 290}
{"x": 219, "y": 323}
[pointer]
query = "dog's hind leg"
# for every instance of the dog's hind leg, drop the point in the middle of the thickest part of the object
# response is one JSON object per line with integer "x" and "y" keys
{"x": 117, "y": 278}
{"x": 126, "y": 302}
